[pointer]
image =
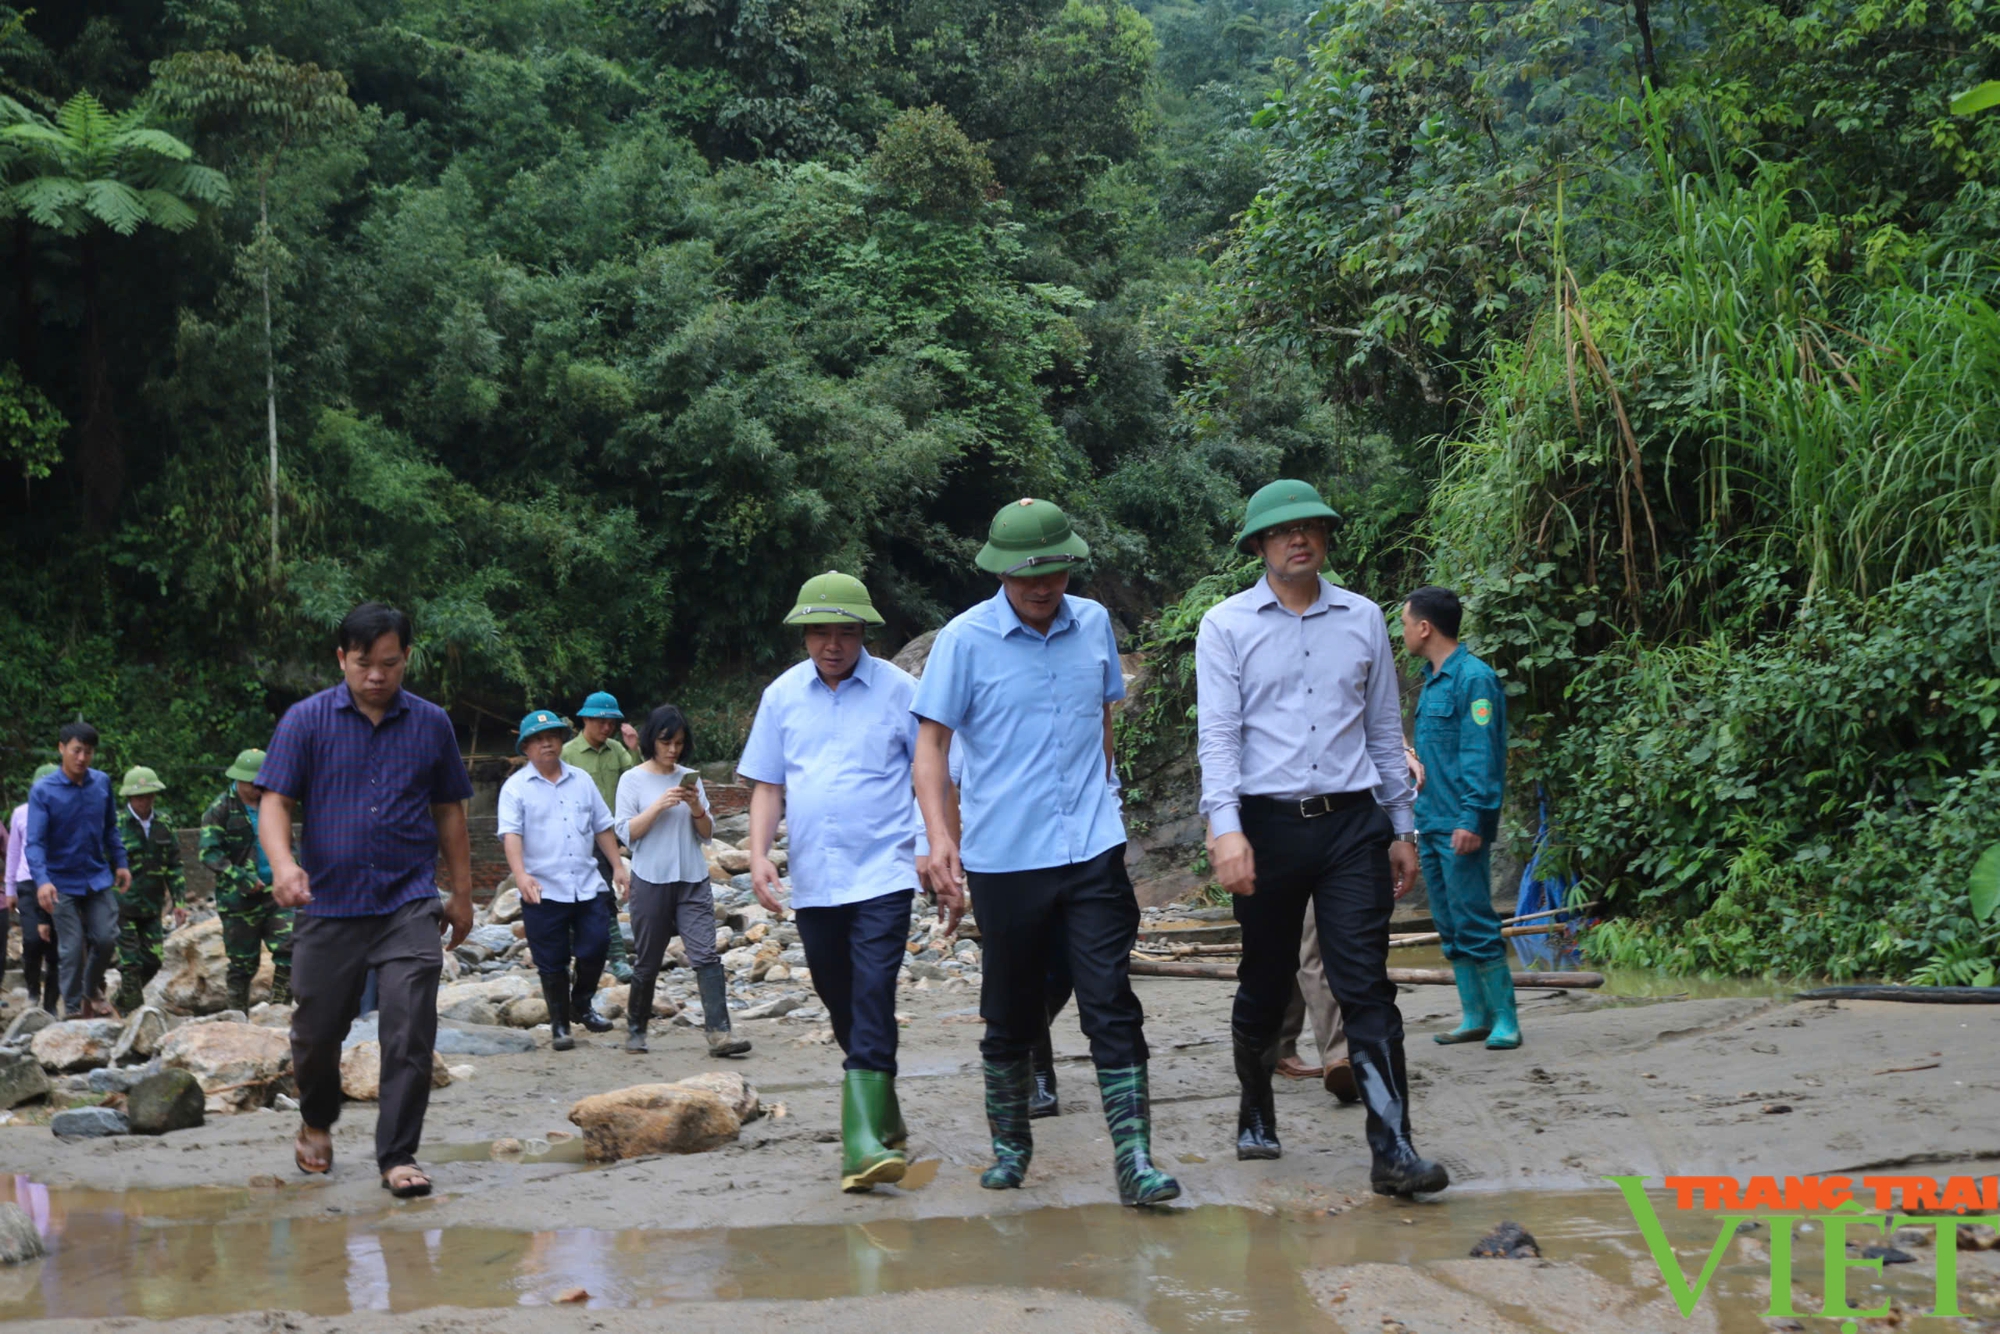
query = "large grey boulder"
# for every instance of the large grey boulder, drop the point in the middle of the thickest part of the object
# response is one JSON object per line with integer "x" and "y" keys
{"x": 19, "y": 1240}
{"x": 88, "y": 1122}
{"x": 22, "y": 1079}
{"x": 169, "y": 1100}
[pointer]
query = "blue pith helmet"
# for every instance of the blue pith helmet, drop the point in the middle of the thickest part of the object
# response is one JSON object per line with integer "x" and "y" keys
{"x": 601, "y": 704}
{"x": 541, "y": 720}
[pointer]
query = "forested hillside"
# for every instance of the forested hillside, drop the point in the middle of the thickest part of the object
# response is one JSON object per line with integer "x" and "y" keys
{"x": 587, "y": 329}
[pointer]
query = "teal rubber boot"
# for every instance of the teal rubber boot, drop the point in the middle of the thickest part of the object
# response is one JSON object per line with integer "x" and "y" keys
{"x": 1477, "y": 1022}
{"x": 1128, "y": 1111}
{"x": 1008, "y": 1085}
{"x": 1498, "y": 980}
{"x": 865, "y": 1161}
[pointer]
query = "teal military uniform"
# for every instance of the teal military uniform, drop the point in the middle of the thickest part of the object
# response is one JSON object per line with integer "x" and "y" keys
{"x": 157, "y": 881}
{"x": 251, "y": 918}
{"x": 1462, "y": 742}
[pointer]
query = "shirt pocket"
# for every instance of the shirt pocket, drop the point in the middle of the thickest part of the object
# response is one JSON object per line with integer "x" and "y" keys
{"x": 1436, "y": 715}
{"x": 883, "y": 749}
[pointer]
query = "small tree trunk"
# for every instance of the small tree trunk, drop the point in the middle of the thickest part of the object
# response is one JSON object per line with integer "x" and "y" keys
{"x": 100, "y": 443}
{"x": 270, "y": 390}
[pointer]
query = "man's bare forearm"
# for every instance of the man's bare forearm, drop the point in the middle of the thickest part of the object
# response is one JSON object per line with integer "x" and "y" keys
{"x": 767, "y": 804}
{"x": 274, "y": 830}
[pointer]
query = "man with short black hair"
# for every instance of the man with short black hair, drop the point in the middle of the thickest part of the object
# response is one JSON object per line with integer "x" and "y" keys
{"x": 380, "y": 773}
{"x": 75, "y": 856}
{"x": 1308, "y": 802}
{"x": 1462, "y": 742}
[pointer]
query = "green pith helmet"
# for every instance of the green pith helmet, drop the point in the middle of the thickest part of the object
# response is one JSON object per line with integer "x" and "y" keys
{"x": 140, "y": 782}
{"x": 1031, "y": 537}
{"x": 541, "y": 720}
{"x": 44, "y": 770}
{"x": 245, "y": 769}
{"x": 833, "y": 599}
{"x": 600, "y": 704}
{"x": 1283, "y": 501}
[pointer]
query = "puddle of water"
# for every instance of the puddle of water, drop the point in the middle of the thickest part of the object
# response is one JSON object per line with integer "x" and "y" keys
{"x": 920, "y": 1174}
{"x": 164, "y": 1254}
{"x": 568, "y": 1151}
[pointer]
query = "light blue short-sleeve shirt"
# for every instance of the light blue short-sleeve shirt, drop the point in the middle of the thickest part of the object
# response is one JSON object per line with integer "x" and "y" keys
{"x": 558, "y": 823}
{"x": 1028, "y": 710}
{"x": 843, "y": 756}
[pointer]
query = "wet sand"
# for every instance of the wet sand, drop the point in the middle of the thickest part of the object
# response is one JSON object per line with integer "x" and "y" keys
{"x": 1603, "y": 1085}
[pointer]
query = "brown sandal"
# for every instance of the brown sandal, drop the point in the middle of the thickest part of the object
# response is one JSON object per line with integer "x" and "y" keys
{"x": 299, "y": 1156}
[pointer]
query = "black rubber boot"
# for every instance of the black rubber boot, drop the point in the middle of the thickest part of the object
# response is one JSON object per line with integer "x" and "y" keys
{"x": 1042, "y": 1102}
{"x": 1397, "y": 1167}
{"x": 715, "y": 1012}
{"x": 1256, "y": 1112}
{"x": 239, "y": 994}
{"x": 638, "y": 1011}
{"x": 555, "y": 994}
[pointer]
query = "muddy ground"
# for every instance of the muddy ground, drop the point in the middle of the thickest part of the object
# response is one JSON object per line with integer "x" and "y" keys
{"x": 1602, "y": 1085}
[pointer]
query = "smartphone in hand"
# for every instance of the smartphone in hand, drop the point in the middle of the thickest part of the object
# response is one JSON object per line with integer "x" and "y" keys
{"x": 689, "y": 779}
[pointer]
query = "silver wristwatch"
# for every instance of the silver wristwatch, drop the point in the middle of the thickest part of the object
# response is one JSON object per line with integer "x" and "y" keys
{"x": 1406, "y": 838}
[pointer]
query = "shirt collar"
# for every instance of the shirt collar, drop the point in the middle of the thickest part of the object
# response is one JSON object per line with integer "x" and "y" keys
{"x": 144, "y": 820}
{"x": 863, "y": 673}
{"x": 562, "y": 773}
{"x": 1330, "y": 596}
{"x": 1010, "y": 620}
{"x": 345, "y": 700}
{"x": 1444, "y": 668}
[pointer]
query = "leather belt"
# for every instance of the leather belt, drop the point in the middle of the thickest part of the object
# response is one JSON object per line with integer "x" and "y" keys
{"x": 1311, "y": 808}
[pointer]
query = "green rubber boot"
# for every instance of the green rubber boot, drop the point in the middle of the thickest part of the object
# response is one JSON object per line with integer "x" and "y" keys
{"x": 1472, "y": 1000}
{"x": 865, "y": 1161}
{"x": 1128, "y": 1112}
{"x": 1498, "y": 981}
{"x": 894, "y": 1133}
{"x": 1007, "y": 1088}
{"x": 281, "y": 986}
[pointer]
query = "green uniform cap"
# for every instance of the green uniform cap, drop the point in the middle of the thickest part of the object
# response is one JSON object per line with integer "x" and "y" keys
{"x": 43, "y": 771}
{"x": 541, "y": 720}
{"x": 245, "y": 769}
{"x": 1031, "y": 537}
{"x": 140, "y": 782}
{"x": 1282, "y": 502}
{"x": 833, "y": 599}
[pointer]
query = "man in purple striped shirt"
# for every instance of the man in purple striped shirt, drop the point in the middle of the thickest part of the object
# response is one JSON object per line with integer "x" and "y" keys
{"x": 379, "y": 773}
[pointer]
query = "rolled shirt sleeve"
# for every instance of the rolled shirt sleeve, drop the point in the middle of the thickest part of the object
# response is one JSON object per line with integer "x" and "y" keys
{"x": 1219, "y": 714}
{"x": 512, "y": 811}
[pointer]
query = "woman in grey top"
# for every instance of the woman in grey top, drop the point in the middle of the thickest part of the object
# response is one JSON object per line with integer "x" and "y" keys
{"x": 663, "y": 817}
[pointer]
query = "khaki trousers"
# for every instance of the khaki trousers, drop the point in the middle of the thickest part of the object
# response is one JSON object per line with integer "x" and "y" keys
{"x": 1311, "y": 992}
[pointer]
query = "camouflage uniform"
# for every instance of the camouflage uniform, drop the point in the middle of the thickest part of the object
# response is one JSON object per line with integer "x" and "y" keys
{"x": 157, "y": 880}
{"x": 251, "y": 918}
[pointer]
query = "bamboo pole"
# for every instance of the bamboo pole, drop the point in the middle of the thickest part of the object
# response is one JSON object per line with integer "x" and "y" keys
{"x": 1433, "y": 937}
{"x": 1418, "y": 977}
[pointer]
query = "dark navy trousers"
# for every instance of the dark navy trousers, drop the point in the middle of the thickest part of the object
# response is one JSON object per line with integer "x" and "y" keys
{"x": 561, "y": 932}
{"x": 855, "y": 952}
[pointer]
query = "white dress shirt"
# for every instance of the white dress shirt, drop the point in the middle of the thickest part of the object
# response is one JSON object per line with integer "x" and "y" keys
{"x": 558, "y": 822}
{"x": 844, "y": 758}
{"x": 1297, "y": 705}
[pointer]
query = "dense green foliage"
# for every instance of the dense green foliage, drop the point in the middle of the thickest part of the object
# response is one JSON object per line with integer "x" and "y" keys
{"x": 587, "y": 329}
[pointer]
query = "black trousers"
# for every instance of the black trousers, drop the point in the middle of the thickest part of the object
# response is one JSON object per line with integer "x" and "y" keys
{"x": 855, "y": 952}
{"x": 1339, "y": 864}
{"x": 39, "y": 968}
{"x": 331, "y": 957}
{"x": 1085, "y": 910}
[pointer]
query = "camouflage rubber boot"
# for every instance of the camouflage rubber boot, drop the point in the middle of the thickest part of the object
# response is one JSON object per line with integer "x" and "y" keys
{"x": 1008, "y": 1086}
{"x": 281, "y": 987}
{"x": 1128, "y": 1112}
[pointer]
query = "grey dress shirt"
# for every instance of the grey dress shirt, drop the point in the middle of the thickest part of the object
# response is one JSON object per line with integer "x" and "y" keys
{"x": 1294, "y": 706}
